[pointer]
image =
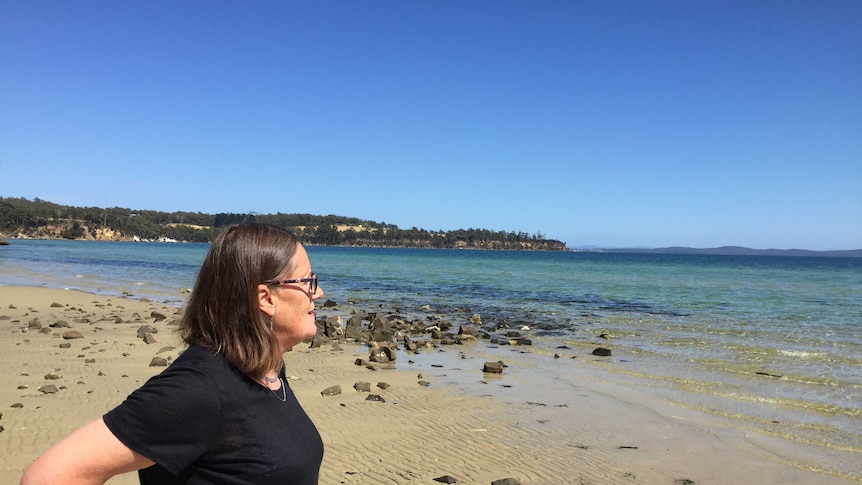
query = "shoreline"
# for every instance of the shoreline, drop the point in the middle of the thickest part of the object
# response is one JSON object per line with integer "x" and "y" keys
{"x": 535, "y": 426}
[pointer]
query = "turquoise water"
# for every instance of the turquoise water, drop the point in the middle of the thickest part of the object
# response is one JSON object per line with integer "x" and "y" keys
{"x": 708, "y": 332}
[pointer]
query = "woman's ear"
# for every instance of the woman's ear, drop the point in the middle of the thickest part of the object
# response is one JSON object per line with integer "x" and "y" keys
{"x": 266, "y": 299}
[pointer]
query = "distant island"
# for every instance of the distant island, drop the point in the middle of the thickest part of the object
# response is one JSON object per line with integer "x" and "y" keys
{"x": 733, "y": 251}
{"x": 40, "y": 219}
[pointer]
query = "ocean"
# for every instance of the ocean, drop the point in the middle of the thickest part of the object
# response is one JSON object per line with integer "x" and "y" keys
{"x": 771, "y": 342}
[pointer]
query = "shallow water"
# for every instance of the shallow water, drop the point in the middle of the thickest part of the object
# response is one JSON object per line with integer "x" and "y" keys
{"x": 775, "y": 342}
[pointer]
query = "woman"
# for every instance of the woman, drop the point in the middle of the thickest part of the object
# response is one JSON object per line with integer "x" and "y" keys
{"x": 222, "y": 413}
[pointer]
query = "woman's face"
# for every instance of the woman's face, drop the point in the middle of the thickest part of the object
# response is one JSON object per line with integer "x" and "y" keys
{"x": 293, "y": 304}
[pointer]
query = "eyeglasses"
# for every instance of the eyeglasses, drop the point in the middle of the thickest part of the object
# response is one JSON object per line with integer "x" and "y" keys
{"x": 312, "y": 282}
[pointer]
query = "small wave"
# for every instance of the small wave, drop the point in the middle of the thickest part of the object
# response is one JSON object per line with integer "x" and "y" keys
{"x": 801, "y": 353}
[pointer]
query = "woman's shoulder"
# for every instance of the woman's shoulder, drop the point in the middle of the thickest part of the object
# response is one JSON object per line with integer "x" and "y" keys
{"x": 204, "y": 363}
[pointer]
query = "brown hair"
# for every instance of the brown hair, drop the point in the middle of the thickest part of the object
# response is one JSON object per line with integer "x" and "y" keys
{"x": 223, "y": 312}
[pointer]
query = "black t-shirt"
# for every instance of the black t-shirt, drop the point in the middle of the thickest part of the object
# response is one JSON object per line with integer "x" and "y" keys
{"x": 204, "y": 422}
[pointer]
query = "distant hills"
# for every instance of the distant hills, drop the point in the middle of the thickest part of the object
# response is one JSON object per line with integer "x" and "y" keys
{"x": 40, "y": 219}
{"x": 733, "y": 251}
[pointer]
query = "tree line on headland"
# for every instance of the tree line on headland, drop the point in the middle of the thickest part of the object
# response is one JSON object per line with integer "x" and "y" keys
{"x": 23, "y": 218}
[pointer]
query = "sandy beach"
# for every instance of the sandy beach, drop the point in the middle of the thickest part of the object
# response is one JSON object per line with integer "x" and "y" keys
{"x": 436, "y": 413}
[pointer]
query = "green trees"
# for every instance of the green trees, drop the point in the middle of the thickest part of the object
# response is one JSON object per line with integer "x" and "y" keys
{"x": 39, "y": 218}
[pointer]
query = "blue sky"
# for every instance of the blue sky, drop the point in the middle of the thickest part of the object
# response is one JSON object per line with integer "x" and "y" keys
{"x": 600, "y": 123}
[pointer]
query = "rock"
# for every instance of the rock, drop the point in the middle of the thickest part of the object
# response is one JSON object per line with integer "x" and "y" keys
{"x": 149, "y": 339}
{"x": 17, "y": 405}
{"x": 381, "y": 329}
{"x": 493, "y": 367}
{"x": 506, "y": 481}
{"x": 383, "y": 385}
{"x": 145, "y": 329}
{"x": 382, "y": 355}
{"x": 360, "y": 362}
{"x": 72, "y": 334}
{"x": 375, "y": 397}
{"x": 318, "y": 341}
{"x": 158, "y": 316}
{"x": 48, "y": 389}
{"x": 34, "y": 324}
{"x": 521, "y": 341}
{"x": 476, "y": 319}
{"x": 362, "y": 386}
{"x": 424, "y": 383}
{"x": 329, "y": 304}
{"x": 602, "y": 352}
{"x": 445, "y": 479}
{"x": 60, "y": 324}
{"x": 159, "y": 362}
{"x": 466, "y": 338}
{"x": 331, "y": 391}
{"x": 332, "y": 327}
{"x": 65, "y": 345}
{"x": 56, "y": 305}
{"x": 53, "y": 376}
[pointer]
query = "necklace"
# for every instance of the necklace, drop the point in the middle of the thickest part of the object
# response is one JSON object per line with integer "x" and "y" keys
{"x": 283, "y": 397}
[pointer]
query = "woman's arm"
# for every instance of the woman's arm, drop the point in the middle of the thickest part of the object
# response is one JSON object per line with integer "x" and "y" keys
{"x": 90, "y": 455}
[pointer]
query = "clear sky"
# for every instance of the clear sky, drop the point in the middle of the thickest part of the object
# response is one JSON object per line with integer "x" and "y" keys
{"x": 599, "y": 123}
